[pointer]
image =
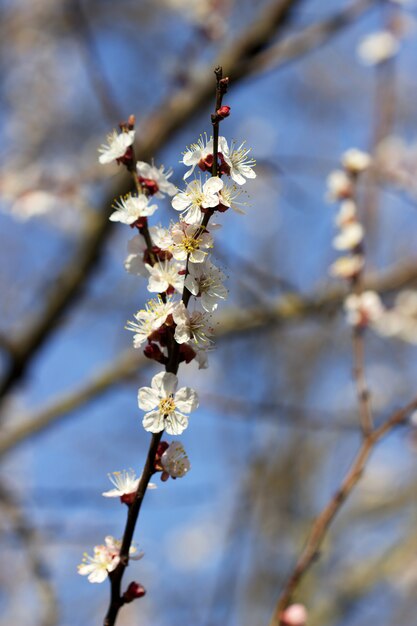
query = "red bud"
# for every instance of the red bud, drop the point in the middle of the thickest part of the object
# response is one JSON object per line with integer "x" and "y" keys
{"x": 223, "y": 112}
{"x": 135, "y": 590}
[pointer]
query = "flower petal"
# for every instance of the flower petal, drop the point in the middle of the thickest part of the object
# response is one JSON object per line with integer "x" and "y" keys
{"x": 98, "y": 576}
{"x": 165, "y": 384}
{"x": 176, "y": 423}
{"x": 148, "y": 398}
{"x": 153, "y": 422}
{"x": 186, "y": 399}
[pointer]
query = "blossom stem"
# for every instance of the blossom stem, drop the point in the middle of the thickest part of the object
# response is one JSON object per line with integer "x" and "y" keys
{"x": 144, "y": 230}
{"x": 221, "y": 88}
{"x": 116, "y": 600}
{"x": 362, "y": 391}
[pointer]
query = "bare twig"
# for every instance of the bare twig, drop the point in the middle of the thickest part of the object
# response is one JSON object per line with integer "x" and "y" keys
{"x": 325, "y": 518}
{"x": 364, "y": 398}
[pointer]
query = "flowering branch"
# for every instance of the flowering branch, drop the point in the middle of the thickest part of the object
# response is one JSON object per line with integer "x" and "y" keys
{"x": 175, "y": 260}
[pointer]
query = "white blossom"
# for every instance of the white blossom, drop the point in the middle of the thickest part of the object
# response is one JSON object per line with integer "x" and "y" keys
{"x": 159, "y": 176}
{"x": 105, "y": 559}
{"x": 241, "y": 167}
{"x": 339, "y": 186}
{"x": 161, "y": 237}
{"x": 165, "y": 405}
{"x": 201, "y": 154}
{"x": 355, "y": 160}
{"x": 165, "y": 274}
{"x": 148, "y": 320}
{"x": 377, "y": 47}
{"x": 205, "y": 280}
{"x": 117, "y": 144}
{"x": 175, "y": 460}
{"x": 350, "y": 237}
{"x": 197, "y": 196}
{"x": 347, "y": 266}
{"x": 130, "y": 208}
{"x": 401, "y": 320}
{"x": 189, "y": 242}
{"x": 125, "y": 482}
{"x": 228, "y": 198}
{"x": 193, "y": 327}
{"x": 363, "y": 309}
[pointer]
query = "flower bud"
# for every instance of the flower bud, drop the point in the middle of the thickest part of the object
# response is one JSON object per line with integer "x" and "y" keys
{"x": 149, "y": 185}
{"x": 153, "y": 351}
{"x": 162, "y": 447}
{"x": 127, "y": 158}
{"x": 135, "y": 590}
{"x": 224, "y": 84}
{"x": 223, "y": 112}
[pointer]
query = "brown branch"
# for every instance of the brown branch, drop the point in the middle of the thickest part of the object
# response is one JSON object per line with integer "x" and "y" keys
{"x": 325, "y": 518}
{"x": 362, "y": 390}
{"x": 310, "y": 38}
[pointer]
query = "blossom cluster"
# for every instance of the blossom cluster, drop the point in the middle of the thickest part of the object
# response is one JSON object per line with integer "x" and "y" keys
{"x": 174, "y": 326}
{"x": 364, "y": 308}
{"x": 342, "y": 188}
{"x": 178, "y": 262}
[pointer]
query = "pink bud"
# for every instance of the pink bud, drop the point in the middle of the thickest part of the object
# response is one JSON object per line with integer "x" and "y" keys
{"x": 223, "y": 112}
{"x": 294, "y": 615}
{"x": 135, "y": 590}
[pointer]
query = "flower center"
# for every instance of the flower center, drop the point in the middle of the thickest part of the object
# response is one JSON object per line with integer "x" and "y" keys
{"x": 167, "y": 406}
{"x": 190, "y": 244}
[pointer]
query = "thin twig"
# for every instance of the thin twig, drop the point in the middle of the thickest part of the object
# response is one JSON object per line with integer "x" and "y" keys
{"x": 322, "y": 523}
{"x": 364, "y": 397}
